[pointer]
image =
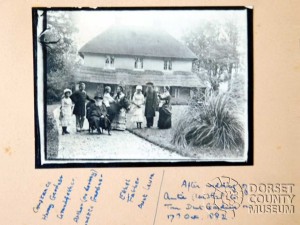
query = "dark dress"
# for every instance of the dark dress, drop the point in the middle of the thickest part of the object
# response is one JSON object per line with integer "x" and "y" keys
{"x": 79, "y": 98}
{"x": 165, "y": 115}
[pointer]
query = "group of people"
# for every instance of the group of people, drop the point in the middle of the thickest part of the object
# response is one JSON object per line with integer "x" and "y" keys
{"x": 108, "y": 112}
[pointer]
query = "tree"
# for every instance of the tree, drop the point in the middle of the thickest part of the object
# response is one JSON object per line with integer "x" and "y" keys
{"x": 62, "y": 59}
{"x": 216, "y": 46}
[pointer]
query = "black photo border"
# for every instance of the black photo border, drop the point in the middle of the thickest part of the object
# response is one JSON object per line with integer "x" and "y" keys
{"x": 86, "y": 164}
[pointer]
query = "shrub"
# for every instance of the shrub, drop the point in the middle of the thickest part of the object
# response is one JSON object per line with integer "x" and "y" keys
{"x": 237, "y": 90}
{"x": 52, "y": 137}
{"x": 214, "y": 123}
{"x": 56, "y": 83}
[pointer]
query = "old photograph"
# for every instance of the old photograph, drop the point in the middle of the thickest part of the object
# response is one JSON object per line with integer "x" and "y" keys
{"x": 143, "y": 85}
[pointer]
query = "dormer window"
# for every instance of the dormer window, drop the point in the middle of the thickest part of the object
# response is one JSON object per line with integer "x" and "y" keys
{"x": 110, "y": 62}
{"x": 138, "y": 64}
{"x": 167, "y": 64}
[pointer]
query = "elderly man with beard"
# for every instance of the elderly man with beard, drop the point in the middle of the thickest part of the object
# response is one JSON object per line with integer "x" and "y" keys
{"x": 150, "y": 104}
{"x": 97, "y": 115}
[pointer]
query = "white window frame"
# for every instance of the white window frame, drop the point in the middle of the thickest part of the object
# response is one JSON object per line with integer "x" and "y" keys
{"x": 135, "y": 64}
{"x": 168, "y": 65}
{"x": 109, "y": 62}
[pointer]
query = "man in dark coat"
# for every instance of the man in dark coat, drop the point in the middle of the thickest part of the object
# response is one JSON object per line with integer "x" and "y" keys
{"x": 150, "y": 104}
{"x": 79, "y": 97}
{"x": 97, "y": 114}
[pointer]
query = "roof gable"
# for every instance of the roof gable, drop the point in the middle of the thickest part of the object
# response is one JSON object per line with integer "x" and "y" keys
{"x": 137, "y": 41}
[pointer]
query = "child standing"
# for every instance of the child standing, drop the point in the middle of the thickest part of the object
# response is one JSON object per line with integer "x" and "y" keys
{"x": 138, "y": 100}
{"x": 66, "y": 111}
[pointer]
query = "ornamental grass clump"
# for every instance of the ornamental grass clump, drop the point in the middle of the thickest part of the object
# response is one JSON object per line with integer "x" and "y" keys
{"x": 213, "y": 123}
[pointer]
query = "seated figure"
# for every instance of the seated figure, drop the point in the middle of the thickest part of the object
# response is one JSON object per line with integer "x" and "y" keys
{"x": 97, "y": 115}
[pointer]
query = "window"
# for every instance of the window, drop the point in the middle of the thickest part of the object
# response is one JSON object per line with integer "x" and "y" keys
{"x": 110, "y": 62}
{"x": 138, "y": 63}
{"x": 167, "y": 65}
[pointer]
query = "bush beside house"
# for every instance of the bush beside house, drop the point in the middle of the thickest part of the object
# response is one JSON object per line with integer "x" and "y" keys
{"x": 51, "y": 137}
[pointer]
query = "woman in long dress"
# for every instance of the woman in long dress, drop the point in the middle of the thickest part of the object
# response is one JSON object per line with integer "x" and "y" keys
{"x": 138, "y": 101}
{"x": 165, "y": 115}
{"x": 122, "y": 105}
{"x": 66, "y": 111}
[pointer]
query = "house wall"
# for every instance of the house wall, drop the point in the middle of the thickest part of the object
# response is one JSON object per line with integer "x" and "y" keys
{"x": 124, "y": 62}
{"x": 153, "y": 64}
{"x": 94, "y": 60}
{"x": 182, "y": 65}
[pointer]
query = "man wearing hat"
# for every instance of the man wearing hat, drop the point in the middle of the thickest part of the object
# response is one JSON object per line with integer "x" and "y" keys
{"x": 79, "y": 97}
{"x": 150, "y": 104}
{"x": 98, "y": 114}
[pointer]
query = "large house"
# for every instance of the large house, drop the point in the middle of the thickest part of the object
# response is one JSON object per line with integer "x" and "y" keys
{"x": 134, "y": 56}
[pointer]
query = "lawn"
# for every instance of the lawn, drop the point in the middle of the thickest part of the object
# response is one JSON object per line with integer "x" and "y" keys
{"x": 163, "y": 139}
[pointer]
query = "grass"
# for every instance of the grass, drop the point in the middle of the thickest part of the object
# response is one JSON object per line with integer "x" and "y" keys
{"x": 157, "y": 136}
{"x": 163, "y": 138}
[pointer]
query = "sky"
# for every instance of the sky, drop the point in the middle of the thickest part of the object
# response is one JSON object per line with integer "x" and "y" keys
{"x": 176, "y": 22}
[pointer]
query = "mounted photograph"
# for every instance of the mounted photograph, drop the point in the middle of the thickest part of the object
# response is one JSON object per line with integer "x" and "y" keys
{"x": 143, "y": 86}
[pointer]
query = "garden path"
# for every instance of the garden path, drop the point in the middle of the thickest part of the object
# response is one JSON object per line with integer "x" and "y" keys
{"x": 120, "y": 145}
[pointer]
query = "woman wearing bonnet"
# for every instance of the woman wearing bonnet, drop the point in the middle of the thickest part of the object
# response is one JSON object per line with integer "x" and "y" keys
{"x": 66, "y": 111}
{"x": 138, "y": 101}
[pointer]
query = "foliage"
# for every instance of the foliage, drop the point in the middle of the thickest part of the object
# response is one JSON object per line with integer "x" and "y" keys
{"x": 52, "y": 136}
{"x": 216, "y": 46}
{"x": 61, "y": 52}
{"x": 56, "y": 83}
{"x": 212, "y": 124}
{"x": 237, "y": 91}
